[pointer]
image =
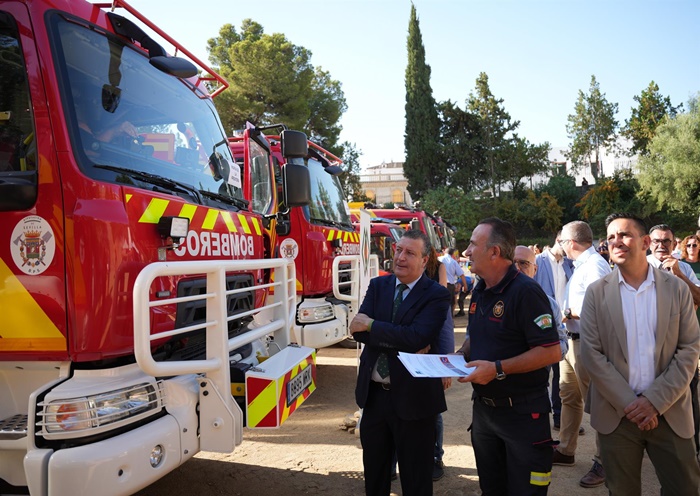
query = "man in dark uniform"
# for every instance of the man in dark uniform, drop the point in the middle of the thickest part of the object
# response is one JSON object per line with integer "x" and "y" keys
{"x": 400, "y": 312}
{"x": 511, "y": 341}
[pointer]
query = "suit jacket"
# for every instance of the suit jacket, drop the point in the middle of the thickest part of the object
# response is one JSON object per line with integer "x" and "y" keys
{"x": 604, "y": 353}
{"x": 545, "y": 275}
{"x": 417, "y": 324}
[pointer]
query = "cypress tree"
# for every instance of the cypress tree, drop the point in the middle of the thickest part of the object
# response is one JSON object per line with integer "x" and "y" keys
{"x": 423, "y": 167}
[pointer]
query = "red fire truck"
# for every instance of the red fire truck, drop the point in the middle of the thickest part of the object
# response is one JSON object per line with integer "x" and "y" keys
{"x": 136, "y": 259}
{"x": 441, "y": 234}
{"x": 313, "y": 236}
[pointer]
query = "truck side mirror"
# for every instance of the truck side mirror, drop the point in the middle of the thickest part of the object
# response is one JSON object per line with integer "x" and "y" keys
{"x": 388, "y": 265}
{"x": 294, "y": 144}
{"x": 415, "y": 224}
{"x": 296, "y": 184}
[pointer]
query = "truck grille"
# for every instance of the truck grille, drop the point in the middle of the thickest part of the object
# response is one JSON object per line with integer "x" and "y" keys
{"x": 192, "y": 346}
{"x": 14, "y": 427}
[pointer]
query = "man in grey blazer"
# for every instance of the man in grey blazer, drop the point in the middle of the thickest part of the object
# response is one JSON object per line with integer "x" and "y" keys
{"x": 640, "y": 343}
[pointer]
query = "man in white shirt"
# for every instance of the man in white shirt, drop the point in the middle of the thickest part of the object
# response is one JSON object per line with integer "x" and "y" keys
{"x": 640, "y": 345}
{"x": 454, "y": 272}
{"x": 589, "y": 266}
{"x": 662, "y": 258}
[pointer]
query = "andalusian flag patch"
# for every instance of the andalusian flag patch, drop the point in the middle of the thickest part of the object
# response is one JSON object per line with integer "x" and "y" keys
{"x": 544, "y": 321}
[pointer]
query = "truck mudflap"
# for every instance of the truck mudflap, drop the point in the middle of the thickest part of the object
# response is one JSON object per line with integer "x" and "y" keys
{"x": 279, "y": 385}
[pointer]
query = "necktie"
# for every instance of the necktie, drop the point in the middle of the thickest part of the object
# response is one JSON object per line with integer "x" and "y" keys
{"x": 383, "y": 360}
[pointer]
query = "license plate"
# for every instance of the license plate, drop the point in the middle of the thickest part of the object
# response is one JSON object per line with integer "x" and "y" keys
{"x": 298, "y": 384}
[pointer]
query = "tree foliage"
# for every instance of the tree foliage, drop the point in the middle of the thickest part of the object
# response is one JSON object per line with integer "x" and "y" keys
{"x": 453, "y": 205}
{"x": 523, "y": 159}
{"x": 495, "y": 125}
{"x": 423, "y": 167}
{"x": 592, "y": 127}
{"x": 563, "y": 189}
{"x": 463, "y": 151}
{"x": 669, "y": 173}
{"x": 273, "y": 81}
{"x": 350, "y": 177}
{"x": 651, "y": 110}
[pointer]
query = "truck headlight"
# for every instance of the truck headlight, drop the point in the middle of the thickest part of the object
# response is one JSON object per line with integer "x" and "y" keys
{"x": 308, "y": 315}
{"x": 81, "y": 416}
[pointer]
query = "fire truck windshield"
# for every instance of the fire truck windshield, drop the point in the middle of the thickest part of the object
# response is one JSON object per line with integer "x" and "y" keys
{"x": 123, "y": 113}
{"x": 328, "y": 203}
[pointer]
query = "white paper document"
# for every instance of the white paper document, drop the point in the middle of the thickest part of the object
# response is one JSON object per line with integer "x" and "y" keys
{"x": 422, "y": 365}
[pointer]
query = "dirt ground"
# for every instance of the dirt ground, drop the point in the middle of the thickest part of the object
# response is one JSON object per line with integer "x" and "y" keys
{"x": 310, "y": 454}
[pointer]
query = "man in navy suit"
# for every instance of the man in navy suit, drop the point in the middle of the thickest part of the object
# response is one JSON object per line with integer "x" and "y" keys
{"x": 400, "y": 312}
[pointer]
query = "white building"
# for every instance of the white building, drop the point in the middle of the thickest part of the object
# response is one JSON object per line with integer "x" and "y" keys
{"x": 385, "y": 183}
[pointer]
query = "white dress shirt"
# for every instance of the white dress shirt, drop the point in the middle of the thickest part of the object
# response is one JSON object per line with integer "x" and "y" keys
{"x": 588, "y": 268}
{"x": 686, "y": 269}
{"x": 639, "y": 313}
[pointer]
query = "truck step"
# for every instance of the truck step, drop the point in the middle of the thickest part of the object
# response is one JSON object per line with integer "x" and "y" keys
{"x": 14, "y": 427}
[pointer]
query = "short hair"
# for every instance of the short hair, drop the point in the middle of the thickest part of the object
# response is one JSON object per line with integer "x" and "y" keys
{"x": 636, "y": 220}
{"x": 451, "y": 251}
{"x": 580, "y": 232}
{"x": 416, "y": 234}
{"x": 502, "y": 235}
{"x": 661, "y": 227}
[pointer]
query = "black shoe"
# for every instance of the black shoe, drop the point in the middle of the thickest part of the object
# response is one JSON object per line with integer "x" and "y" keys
{"x": 394, "y": 476}
{"x": 557, "y": 424}
{"x": 460, "y": 314}
{"x": 438, "y": 470}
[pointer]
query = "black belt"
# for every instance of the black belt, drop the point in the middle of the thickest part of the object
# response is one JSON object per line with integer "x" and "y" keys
{"x": 510, "y": 400}
{"x": 386, "y": 386}
{"x": 575, "y": 336}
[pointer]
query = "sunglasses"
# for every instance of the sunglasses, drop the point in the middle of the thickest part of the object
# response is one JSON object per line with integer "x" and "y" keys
{"x": 691, "y": 246}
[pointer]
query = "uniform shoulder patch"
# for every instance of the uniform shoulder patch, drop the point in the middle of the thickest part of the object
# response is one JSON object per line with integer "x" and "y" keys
{"x": 544, "y": 321}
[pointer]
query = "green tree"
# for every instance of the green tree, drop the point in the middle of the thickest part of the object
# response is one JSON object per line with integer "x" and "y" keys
{"x": 273, "y": 81}
{"x": 563, "y": 188}
{"x": 495, "y": 126}
{"x": 523, "y": 160}
{"x": 350, "y": 177}
{"x": 669, "y": 173}
{"x": 423, "y": 167}
{"x": 651, "y": 110}
{"x": 592, "y": 127}
{"x": 463, "y": 151}
{"x": 453, "y": 205}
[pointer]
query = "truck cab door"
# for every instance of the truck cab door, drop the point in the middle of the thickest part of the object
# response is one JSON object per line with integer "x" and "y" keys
{"x": 31, "y": 204}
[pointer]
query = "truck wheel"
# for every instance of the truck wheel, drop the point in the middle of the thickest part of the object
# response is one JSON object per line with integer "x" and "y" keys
{"x": 348, "y": 343}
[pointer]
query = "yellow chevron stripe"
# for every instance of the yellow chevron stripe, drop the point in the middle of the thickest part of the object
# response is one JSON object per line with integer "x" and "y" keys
{"x": 330, "y": 235}
{"x": 210, "y": 219}
{"x": 229, "y": 222}
{"x": 256, "y": 225}
{"x": 24, "y": 325}
{"x": 154, "y": 211}
{"x": 128, "y": 197}
{"x": 244, "y": 223}
{"x": 188, "y": 211}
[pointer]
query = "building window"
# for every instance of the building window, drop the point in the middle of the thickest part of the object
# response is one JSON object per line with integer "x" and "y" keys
{"x": 397, "y": 196}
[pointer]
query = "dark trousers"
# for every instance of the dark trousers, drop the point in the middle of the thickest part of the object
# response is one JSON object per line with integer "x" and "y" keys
{"x": 382, "y": 433}
{"x": 460, "y": 300}
{"x": 451, "y": 289}
{"x": 513, "y": 448}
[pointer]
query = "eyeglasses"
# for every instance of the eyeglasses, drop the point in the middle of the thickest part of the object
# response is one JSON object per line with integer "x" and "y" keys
{"x": 691, "y": 246}
{"x": 523, "y": 263}
{"x": 662, "y": 241}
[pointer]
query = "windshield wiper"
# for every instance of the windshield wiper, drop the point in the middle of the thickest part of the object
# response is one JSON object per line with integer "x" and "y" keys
{"x": 155, "y": 179}
{"x": 329, "y": 222}
{"x": 231, "y": 200}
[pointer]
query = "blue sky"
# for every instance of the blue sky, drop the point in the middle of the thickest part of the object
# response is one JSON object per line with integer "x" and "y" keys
{"x": 537, "y": 53}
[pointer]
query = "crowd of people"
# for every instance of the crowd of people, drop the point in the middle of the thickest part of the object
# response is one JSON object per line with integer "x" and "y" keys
{"x": 615, "y": 324}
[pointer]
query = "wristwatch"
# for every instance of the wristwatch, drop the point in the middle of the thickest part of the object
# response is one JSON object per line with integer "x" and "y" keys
{"x": 500, "y": 375}
{"x": 567, "y": 313}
